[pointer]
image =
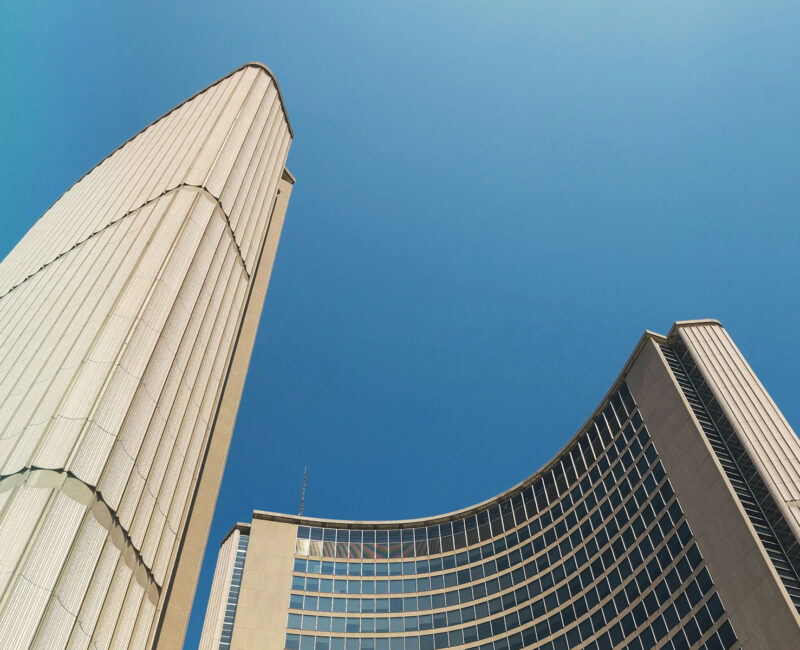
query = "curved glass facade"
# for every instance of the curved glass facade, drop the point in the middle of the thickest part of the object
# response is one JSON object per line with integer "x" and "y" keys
{"x": 593, "y": 552}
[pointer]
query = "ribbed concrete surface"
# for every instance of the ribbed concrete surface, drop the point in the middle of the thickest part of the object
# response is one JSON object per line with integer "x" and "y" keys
{"x": 220, "y": 589}
{"x": 763, "y": 430}
{"x": 119, "y": 311}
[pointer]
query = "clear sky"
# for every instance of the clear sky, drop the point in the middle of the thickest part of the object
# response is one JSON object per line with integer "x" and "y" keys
{"x": 493, "y": 201}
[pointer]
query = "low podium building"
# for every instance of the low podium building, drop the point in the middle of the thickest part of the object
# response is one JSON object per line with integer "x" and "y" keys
{"x": 671, "y": 520}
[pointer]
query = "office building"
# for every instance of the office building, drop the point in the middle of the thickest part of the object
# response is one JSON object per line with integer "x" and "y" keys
{"x": 127, "y": 317}
{"x": 670, "y": 520}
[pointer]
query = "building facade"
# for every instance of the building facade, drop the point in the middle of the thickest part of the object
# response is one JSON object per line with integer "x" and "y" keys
{"x": 127, "y": 316}
{"x": 671, "y": 520}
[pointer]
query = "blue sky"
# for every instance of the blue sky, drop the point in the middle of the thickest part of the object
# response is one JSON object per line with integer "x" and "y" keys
{"x": 493, "y": 201}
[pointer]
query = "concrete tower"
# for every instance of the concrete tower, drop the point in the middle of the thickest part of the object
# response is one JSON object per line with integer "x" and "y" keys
{"x": 127, "y": 317}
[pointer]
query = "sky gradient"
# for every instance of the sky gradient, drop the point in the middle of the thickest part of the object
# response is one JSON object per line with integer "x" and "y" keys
{"x": 493, "y": 202}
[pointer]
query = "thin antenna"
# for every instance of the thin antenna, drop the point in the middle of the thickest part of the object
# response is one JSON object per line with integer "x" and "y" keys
{"x": 303, "y": 493}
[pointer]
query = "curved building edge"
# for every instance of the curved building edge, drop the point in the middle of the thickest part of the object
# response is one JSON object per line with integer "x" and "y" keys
{"x": 502, "y": 496}
{"x": 249, "y": 64}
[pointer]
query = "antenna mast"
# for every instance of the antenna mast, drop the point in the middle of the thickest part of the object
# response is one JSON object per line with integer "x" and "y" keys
{"x": 303, "y": 493}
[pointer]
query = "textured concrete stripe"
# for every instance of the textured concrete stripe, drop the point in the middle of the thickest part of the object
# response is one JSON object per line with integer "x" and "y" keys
{"x": 166, "y": 449}
{"x": 67, "y": 483}
{"x": 243, "y": 169}
{"x": 220, "y": 587}
{"x": 158, "y": 351}
{"x": 167, "y": 489}
{"x": 238, "y": 135}
{"x": 256, "y": 228}
{"x": 779, "y": 466}
{"x": 738, "y": 400}
{"x": 125, "y": 216}
{"x": 268, "y": 176}
{"x": 102, "y": 190}
{"x": 190, "y": 341}
{"x": 158, "y": 398}
{"x": 742, "y": 395}
{"x": 214, "y": 135}
{"x": 235, "y": 192}
{"x": 776, "y": 424}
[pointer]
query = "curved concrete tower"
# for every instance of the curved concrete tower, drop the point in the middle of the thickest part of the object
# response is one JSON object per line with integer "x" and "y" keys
{"x": 127, "y": 317}
{"x": 671, "y": 520}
